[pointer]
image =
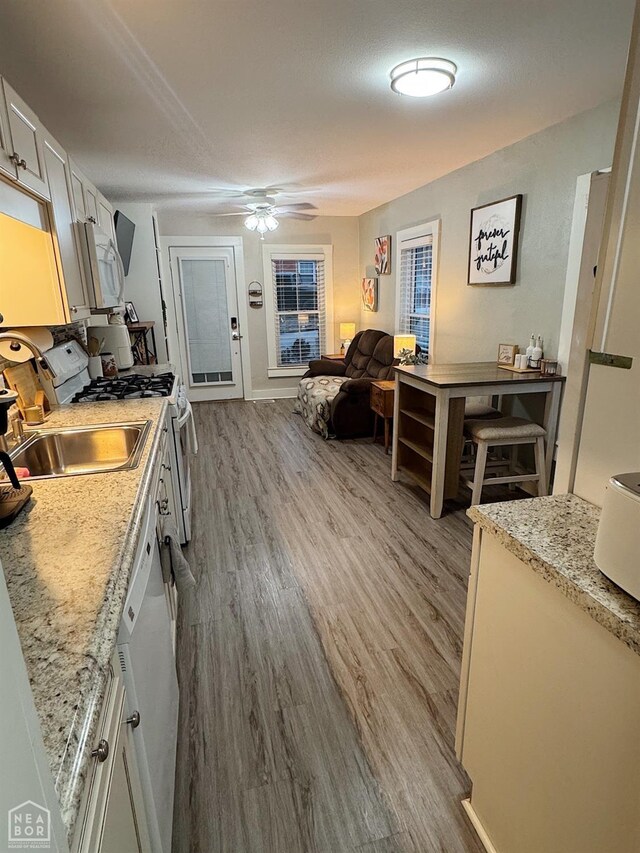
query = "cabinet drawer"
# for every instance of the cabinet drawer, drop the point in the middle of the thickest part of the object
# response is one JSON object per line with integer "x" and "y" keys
{"x": 381, "y": 401}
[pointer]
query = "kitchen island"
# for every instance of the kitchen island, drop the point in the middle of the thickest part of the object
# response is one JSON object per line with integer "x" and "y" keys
{"x": 548, "y": 726}
{"x": 67, "y": 560}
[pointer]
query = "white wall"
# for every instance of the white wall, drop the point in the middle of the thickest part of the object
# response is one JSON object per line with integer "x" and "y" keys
{"x": 141, "y": 284}
{"x": 340, "y": 231}
{"x": 471, "y": 321}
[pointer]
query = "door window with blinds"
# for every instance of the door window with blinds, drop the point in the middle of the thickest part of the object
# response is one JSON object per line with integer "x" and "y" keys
{"x": 416, "y": 265}
{"x": 298, "y": 300}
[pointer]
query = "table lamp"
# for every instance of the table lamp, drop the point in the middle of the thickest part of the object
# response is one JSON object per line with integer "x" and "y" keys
{"x": 347, "y": 331}
{"x": 403, "y": 342}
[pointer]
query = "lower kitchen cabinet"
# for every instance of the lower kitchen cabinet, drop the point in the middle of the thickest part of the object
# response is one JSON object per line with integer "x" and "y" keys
{"x": 548, "y": 723}
{"x": 112, "y": 817}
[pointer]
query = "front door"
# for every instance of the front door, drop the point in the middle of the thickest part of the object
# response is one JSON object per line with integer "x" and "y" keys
{"x": 206, "y": 301}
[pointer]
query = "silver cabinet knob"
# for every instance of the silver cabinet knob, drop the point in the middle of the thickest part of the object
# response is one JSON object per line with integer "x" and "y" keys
{"x": 101, "y": 752}
{"x": 74, "y": 310}
{"x": 18, "y": 162}
{"x": 133, "y": 720}
{"x": 91, "y": 219}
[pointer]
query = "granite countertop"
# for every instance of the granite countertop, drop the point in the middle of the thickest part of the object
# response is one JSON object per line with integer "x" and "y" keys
{"x": 556, "y": 536}
{"x": 67, "y": 560}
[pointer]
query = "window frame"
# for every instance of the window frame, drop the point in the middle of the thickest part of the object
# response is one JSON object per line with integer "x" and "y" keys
{"x": 301, "y": 253}
{"x": 411, "y": 238}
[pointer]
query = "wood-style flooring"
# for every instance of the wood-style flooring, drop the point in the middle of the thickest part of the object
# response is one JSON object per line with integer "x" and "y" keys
{"x": 319, "y": 654}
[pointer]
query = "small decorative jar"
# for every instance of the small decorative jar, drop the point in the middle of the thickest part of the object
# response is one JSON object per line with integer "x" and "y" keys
{"x": 548, "y": 367}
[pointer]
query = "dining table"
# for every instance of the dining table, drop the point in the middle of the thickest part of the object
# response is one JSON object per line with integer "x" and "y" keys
{"x": 429, "y": 406}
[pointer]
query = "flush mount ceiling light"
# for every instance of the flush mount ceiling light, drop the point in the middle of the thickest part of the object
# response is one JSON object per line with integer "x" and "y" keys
{"x": 262, "y": 220}
{"x": 422, "y": 77}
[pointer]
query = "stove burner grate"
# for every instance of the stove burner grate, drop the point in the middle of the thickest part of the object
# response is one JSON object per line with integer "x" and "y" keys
{"x": 131, "y": 387}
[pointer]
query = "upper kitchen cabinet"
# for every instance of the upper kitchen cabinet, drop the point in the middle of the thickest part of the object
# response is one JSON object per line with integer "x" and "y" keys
{"x": 65, "y": 228}
{"x": 105, "y": 217}
{"x": 90, "y": 205}
{"x": 22, "y": 143}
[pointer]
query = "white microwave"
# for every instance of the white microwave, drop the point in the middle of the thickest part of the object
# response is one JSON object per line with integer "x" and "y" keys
{"x": 103, "y": 267}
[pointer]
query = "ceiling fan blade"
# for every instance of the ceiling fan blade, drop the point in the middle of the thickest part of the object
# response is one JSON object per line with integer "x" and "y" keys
{"x": 293, "y": 215}
{"x": 238, "y": 213}
{"x": 302, "y": 205}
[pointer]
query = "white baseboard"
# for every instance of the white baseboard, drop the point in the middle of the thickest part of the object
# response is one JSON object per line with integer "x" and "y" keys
{"x": 275, "y": 394}
{"x": 479, "y": 828}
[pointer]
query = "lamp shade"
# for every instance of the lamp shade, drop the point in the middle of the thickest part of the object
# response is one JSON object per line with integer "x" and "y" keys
{"x": 401, "y": 342}
{"x": 347, "y": 331}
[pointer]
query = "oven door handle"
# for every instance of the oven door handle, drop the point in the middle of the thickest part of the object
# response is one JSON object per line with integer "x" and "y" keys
{"x": 185, "y": 421}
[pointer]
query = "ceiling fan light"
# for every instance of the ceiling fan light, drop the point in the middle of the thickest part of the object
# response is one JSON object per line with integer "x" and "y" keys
{"x": 261, "y": 227}
{"x": 251, "y": 222}
{"x": 422, "y": 77}
{"x": 271, "y": 222}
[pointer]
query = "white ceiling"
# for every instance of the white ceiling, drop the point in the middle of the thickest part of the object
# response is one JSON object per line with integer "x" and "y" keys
{"x": 165, "y": 100}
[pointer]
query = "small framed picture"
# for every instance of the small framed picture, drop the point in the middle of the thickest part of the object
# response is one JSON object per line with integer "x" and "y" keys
{"x": 507, "y": 353}
{"x": 130, "y": 313}
{"x": 383, "y": 255}
{"x": 369, "y": 294}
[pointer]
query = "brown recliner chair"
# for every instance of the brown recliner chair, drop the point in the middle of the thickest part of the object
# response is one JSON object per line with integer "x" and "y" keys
{"x": 369, "y": 357}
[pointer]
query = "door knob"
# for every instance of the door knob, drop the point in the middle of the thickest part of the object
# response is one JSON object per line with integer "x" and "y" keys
{"x": 236, "y": 336}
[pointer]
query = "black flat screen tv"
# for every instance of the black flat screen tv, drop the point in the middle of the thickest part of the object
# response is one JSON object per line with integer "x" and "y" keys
{"x": 125, "y": 230}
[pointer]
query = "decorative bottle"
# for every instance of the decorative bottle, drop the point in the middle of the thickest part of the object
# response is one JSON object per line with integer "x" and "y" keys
{"x": 536, "y": 355}
{"x": 530, "y": 349}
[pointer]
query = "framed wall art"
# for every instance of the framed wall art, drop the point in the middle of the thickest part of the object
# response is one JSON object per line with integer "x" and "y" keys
{"x": 493, "y": 242}
{"x": 383, "y": 255}
{"x": 369, "y": 294}
{"x": 507, "y": 353}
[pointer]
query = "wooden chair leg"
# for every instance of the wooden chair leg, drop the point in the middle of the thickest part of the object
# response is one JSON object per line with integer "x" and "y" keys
{"x": 375, "y": 427}
{"x": 478, "y": 476}
{"x": 541, "y": 468}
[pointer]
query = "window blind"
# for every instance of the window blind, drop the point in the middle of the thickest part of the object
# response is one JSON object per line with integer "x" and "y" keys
{"x": 416, "y": 269}
{"x": 299, "y": 308}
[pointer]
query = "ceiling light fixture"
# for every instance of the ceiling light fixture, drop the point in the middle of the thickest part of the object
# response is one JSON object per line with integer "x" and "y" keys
{"x": 422, "y": 77}
{"x": 262, "y": 220}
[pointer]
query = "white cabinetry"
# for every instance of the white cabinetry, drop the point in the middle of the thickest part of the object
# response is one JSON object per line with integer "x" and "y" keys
{"x": 548, "y": 723}
{"x": 90, "y": 204}
{"x": 24, "y": 143}
{"x": 59, "y": 176}
{"x": 112, "y": 816}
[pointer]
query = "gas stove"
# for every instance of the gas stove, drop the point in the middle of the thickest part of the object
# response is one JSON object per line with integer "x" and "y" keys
{"x": 131, "y": 387}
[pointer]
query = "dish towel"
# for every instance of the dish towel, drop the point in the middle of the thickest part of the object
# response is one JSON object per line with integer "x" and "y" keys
{"x": 174, "y": 562}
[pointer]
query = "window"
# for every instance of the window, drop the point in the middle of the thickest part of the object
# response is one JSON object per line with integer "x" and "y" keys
{"x": 298, "y": 300}
{"x": 416, "y": 250}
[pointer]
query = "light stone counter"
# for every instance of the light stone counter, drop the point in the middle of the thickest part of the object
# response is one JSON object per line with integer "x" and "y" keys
{"x": 556, "y": 536}
{"x": 67, "y": 560}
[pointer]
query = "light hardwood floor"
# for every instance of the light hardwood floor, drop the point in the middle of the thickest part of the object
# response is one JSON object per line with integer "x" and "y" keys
{"x": 319, "y": 653}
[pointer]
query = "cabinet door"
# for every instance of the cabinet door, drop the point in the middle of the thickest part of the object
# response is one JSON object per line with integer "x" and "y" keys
{"x": 7, "y": 166}
{"x": 125, "y": 823}
{"x": 77, "y": 188}
{"x": 25, "y": 134}
{"x": 105, "y": 217}
{"x": 91, "y": 202}
{"x": 69, "y": 247}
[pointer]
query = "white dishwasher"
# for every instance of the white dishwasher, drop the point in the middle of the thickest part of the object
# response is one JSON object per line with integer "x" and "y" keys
{"x": 147, "y": 660}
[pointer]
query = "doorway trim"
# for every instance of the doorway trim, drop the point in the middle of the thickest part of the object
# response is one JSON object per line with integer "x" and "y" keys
{"x": 236, "y": 244}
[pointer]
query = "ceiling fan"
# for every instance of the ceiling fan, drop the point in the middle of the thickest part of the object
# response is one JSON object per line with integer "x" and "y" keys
{"x": 262, "y": 213}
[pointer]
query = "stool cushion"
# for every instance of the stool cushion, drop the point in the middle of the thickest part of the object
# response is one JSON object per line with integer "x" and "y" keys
{"x": 502, "y": 428}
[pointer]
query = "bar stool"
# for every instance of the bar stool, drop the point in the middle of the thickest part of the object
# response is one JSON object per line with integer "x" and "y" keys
{"x": 505, "y": 432}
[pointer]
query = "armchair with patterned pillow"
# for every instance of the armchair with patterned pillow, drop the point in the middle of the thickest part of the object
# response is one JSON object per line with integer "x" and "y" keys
{"x": 333, "y": 396}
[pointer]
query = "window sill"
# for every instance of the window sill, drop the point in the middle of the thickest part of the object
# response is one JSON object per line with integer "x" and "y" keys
{"x": 275, "y": 372}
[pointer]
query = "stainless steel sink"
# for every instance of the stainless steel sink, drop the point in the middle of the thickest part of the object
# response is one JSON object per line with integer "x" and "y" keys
{"x": 68, "y": 451}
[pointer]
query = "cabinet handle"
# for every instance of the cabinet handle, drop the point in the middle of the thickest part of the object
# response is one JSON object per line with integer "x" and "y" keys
{"x": 133, "y": 720}
{"x": 166, "y": 467}
{"x": 17, "y": 162}
{"x": 74, "y": 310}
{"x": 101, "y": 752}
{"x": 91, "y": 219}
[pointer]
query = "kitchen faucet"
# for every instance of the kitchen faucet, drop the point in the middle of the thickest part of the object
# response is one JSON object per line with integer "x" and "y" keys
{"x": 17, "y": 341}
